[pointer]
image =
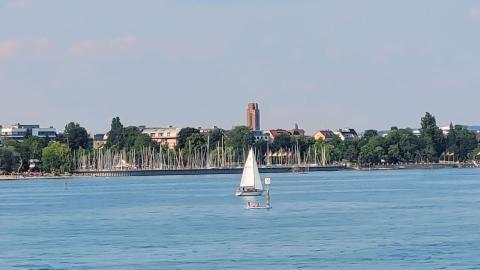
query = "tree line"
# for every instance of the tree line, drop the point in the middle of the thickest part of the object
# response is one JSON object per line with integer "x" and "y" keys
{"x": 400, "y": 145}
{"x": 403, "y": 146}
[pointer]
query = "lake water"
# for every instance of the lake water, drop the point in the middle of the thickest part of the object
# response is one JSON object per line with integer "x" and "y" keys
{"x": 418, "y": 219}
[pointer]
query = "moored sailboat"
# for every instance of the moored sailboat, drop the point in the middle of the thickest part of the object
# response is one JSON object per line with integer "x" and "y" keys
{"x": 251, "y": 183}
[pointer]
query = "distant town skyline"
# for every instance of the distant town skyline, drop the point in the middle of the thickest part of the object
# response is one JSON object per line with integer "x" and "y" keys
{"x": 323, "y": 65}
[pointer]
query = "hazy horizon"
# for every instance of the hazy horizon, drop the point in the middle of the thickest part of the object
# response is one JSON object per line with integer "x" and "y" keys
{"x": 368, "y": 64}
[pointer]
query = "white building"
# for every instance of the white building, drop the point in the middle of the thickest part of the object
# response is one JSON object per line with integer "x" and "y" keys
{"x": 49, "y": 133}
{"x": 346, "y": 133}
{"x": 14, "y": 133}
{"x": 19, "y": 132}
{"x": 100, "y": 140}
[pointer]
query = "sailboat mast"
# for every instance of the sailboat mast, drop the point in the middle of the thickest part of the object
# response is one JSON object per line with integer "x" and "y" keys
{"x": 208, "y": 152}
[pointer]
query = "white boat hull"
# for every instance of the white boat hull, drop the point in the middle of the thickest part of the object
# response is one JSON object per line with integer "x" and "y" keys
{"x": 240, "y": 192}
{"x": 259, "y": 207}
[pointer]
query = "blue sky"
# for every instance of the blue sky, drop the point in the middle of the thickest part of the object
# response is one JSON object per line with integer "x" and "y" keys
{"x": 321, "y": 64}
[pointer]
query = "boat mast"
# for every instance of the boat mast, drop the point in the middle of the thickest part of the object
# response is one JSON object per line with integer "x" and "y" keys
{"x": 208, "y": 152}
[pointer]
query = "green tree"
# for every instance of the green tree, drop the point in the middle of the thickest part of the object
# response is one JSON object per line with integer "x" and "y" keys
{"x": 216, "y": 136}
{"x": 409, "y": 145}
{"x": 240, "y": 139}
{"x": 475, "y": 153}
{"x": 116, "y": 136}
{"x": 30, "y": 148}
{"x": 393, "y": 154}
{"x": 76, "y": 136}
{"x": 56, "y": 158}
{"x": 142, "y": 141}
{"x": 370, "y": 133}
{"x": 432, "y": 138}
{"x": 452, "y": 140}
{"x": 465, "y": 142}
{"x": 338, "y": 148}
{"x": 183, "y": 136}
{"x": 283, "y": 141}
{"x": 196, "y": 141}
{"x": 352, "y": 148}
{"x": 133, "y": 138}
{"x": 261, "y": 147}
{"x": 402, "y": 145}
{"x": 7, "y": 160}
{"x": 303, "y": 142}
{"x": 60, "y": 138}
{"x": 130, "y": 135}
{"x": 33, "y": 147}
{"x": 394, "y": 136}
{"x": 373, "y": 152}
{"x": 116, "y": 124}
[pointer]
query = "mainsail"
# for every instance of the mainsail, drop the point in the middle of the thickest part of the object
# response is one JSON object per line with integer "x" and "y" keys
{"x": 251, "y": 176}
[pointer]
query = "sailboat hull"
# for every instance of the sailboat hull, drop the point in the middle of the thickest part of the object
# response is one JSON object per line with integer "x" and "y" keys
{"x": 259, "y": 207}
{"x": 240, "y": 192}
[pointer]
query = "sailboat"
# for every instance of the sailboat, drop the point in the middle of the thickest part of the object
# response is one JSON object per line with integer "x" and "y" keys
{"x": 251, "y": 183}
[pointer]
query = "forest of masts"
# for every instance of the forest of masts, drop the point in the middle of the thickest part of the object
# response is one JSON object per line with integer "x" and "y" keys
{"x": 201, "y": 158}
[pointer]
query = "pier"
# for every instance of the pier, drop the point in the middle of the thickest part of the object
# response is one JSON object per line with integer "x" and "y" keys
{"x": 205, "y": 171}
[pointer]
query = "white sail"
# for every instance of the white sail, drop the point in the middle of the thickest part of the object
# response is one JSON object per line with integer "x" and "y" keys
{"x": 251, "y": 176}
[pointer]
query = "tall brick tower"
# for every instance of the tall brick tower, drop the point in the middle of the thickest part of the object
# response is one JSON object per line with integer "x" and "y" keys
{"x": 253, "y": 116}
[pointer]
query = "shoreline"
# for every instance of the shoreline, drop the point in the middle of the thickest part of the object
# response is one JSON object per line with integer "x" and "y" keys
{"x": 419, "y": 166}
{"x": 205, "y": 171}
{"x": 20, "y": 177}
{"x": 218, "y": 171}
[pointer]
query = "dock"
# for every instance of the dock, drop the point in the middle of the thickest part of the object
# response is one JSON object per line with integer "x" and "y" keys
{"x": 203, "y": 171}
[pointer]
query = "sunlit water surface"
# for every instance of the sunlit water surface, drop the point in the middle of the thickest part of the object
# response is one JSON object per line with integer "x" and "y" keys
{"x": 419, "y": 219}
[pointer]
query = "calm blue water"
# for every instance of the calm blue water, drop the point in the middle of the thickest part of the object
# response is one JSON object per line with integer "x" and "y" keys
{"x": 421, "y": 219}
